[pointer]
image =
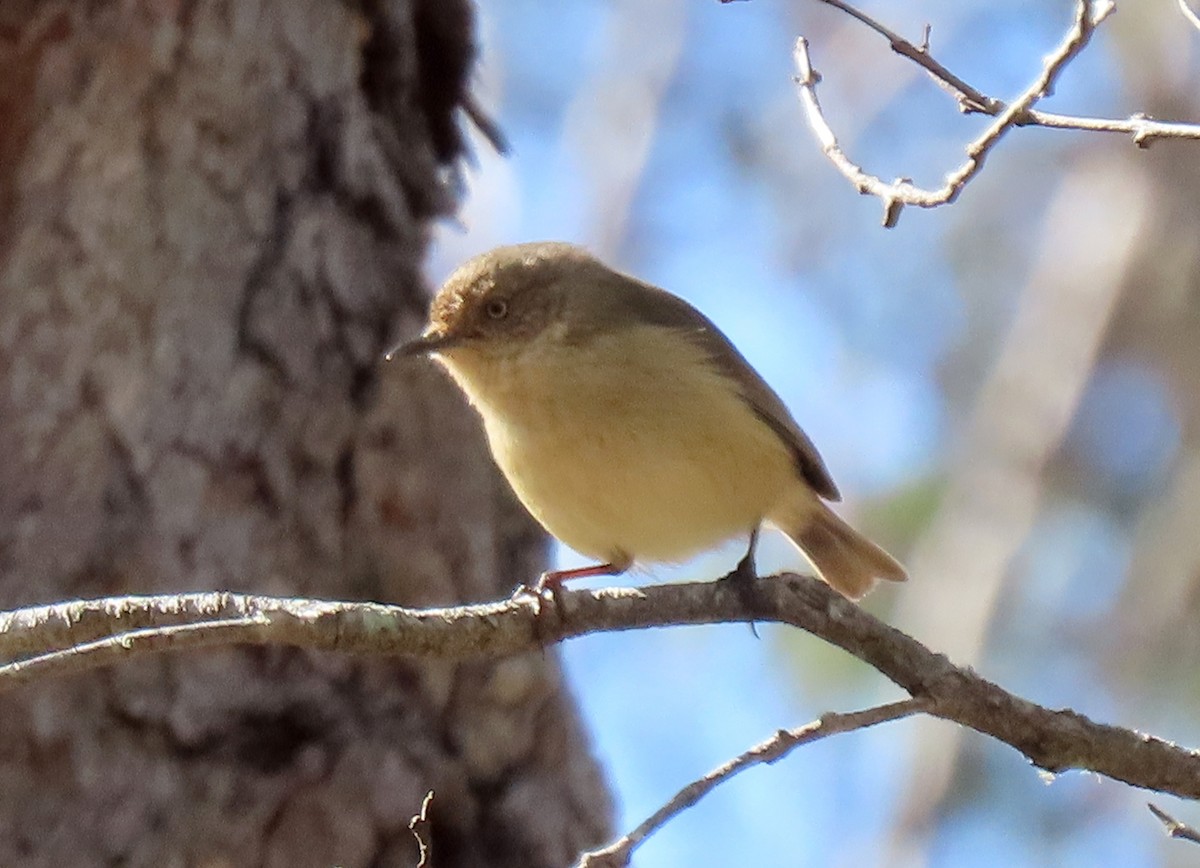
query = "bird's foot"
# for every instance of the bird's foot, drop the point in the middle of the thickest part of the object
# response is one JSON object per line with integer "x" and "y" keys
{"x": 744, "y": 574}
{"x": 745, "y": 571}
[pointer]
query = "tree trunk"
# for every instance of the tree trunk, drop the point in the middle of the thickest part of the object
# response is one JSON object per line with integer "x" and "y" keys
{"x": 211, "y": 223}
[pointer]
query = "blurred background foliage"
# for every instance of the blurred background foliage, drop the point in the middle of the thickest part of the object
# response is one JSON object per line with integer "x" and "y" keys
{"x": 1006, "y": 390}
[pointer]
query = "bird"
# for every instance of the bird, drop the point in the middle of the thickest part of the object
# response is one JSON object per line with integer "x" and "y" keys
{"x": 627, "y": 424}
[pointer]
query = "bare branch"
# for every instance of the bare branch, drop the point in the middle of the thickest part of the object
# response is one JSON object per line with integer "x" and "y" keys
{"x": 775, "y": 748}
{"x": 969, "y": 98}
{"x": 68, "y": 637}
{"x": 892, "y": 195}
{"x": 419, "y": 826}
{"x": 1089, "y": 14}
{"x": 1175, "y": 829}
{"x": 1053, "y": 740}
{"x": 1143, "y": 129}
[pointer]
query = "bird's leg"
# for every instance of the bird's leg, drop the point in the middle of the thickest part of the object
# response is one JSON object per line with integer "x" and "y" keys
{"x": 745, "y": 572}
{"x": 745, "y": 568}
{"x": 553, "y": 579}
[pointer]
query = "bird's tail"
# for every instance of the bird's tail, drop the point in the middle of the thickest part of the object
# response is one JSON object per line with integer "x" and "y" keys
{"x": 842, "y": 557}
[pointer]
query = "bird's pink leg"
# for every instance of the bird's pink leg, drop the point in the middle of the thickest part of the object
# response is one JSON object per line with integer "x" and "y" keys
{"x": 553, "y": 579}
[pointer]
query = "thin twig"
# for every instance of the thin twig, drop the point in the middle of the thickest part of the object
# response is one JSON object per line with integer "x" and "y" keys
{"x": 419, "y": 825}
{"x": 122, "y": 646}
{"x": 1189, "y": 14}
{"x": 1052, "y": 740}
{"x": 486, "y": 124}
{"x": 773, "y": 749}
{"x": 1144, "y": 130}
{"x": 969, "y": 98}
{"x": 1175, "y": 829}
{"x": 867, "y": 184}
{"x": 1089, "y": 14}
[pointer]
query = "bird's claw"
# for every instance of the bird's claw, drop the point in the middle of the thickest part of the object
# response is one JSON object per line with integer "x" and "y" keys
{"x": 524, "y": 590}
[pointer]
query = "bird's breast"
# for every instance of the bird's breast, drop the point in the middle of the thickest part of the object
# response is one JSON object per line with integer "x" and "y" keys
{"x": 632, "y": 444}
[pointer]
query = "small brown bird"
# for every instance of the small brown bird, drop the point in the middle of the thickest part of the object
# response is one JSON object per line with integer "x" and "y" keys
{"x": 627, "y": 423}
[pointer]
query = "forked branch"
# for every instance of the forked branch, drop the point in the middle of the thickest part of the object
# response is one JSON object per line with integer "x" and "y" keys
{"x": 1089, "y": 14}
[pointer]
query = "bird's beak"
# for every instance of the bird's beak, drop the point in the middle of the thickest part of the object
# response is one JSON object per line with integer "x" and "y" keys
{"x": 430, "y": 342}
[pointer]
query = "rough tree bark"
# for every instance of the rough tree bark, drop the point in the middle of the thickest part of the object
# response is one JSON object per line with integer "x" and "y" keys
{"x": 211, "y": 222}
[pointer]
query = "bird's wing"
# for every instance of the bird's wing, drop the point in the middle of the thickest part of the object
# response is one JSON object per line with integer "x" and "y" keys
{"x": 659, "y": 307}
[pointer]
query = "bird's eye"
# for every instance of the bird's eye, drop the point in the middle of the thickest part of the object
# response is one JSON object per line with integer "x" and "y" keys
{"x": 497, "y": 308}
